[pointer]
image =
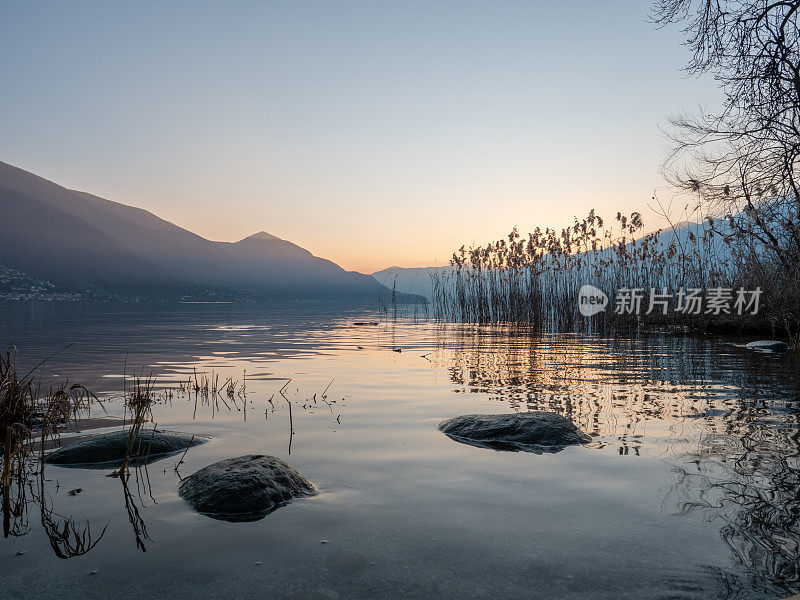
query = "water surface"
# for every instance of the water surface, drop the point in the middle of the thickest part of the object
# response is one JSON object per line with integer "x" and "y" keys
{"x": 689, "y": 489}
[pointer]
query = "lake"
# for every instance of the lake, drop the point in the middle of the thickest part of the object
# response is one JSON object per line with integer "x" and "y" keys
{"x": 689, "y": 488}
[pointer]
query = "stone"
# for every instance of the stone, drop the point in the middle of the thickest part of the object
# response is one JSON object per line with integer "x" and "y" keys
{"x": 245, "y": 488}
{"x": 767, "y": 346}
{"x": 108, "y": 449}
{"x": 535, "y": 431}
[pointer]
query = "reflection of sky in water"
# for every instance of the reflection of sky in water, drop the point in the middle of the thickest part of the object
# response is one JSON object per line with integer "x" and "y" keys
{"x": 688, "y": 489}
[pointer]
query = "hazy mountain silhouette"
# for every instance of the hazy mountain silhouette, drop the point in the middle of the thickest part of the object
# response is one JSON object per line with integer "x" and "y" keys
{"x": 410, "y": 280}
{"x": 81, "y": 241}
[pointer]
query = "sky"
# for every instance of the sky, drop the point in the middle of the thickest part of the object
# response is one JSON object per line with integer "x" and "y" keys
{"x": 372, "y": 133}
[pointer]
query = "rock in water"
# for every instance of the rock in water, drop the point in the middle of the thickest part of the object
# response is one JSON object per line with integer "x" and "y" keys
{"x": 245, "y": 488}
{"x": 108, "y": 449}
{"x": 535, "y": 431}
{"x": 767, "y": 346}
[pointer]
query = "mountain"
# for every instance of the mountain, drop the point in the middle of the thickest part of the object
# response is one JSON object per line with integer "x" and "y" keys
{"x": 410, "y": 280}
{"x": 80, "y": 241}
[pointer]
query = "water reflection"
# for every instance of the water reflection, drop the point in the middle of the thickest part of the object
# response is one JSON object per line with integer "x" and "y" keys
{"x": 31, "y": 492}
{"x": 208, "y": 393}
{"x": 720, "y": 423}
{"x": 658, "y": 395}
{"x": 67, "y": 538}
{"x": 27, "y": 493}
{"x": 727, "y": 422}
{"x": 132, "y": 505}
{"x": 748, "y": 479}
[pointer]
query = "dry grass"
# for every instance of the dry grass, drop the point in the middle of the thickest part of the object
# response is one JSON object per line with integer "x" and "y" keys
{"x": 139, "y": 408}
{"x": 535, "y": 279}
{"x": 28, "y": 416}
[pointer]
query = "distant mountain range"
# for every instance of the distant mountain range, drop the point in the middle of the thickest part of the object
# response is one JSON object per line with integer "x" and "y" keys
{"x": 410, "y": 280}
{"x": 83, "y": 243}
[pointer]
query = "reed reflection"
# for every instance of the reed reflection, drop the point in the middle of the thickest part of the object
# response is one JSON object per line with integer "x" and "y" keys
{"x": 727, "y": 422}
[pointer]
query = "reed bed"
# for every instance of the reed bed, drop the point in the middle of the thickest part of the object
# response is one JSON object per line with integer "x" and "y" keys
{"x": 535, "y": 279}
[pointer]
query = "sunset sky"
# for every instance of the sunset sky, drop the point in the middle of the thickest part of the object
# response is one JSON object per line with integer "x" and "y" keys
{"x": 371, "y": 133}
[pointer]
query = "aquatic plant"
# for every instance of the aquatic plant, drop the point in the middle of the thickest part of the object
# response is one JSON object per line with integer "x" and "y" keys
{"x": 29, "y": 417}
{"x": 536, "y": 279}
{"x": 206, "y": 390}
{"x": 30, "y": 422}
{"x": 139, "y": 405}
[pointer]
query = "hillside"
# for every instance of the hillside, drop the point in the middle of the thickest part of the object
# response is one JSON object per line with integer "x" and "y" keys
{"x": 409, "y": 280}
{"x": 80, "y": 241}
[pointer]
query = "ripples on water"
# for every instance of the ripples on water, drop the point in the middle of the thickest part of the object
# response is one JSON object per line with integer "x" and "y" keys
{"x": 689, "y": 489}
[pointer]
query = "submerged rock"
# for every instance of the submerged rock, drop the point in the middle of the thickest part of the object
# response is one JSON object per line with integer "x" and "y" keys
{"x": 767, "y": 346}
{"x": 245, "y": 488}
{"x": 108, "y": 449}
{"x": 535, "y": 431}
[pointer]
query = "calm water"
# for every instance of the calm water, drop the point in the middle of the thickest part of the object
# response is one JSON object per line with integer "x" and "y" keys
{"x": 690, "y": 489}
